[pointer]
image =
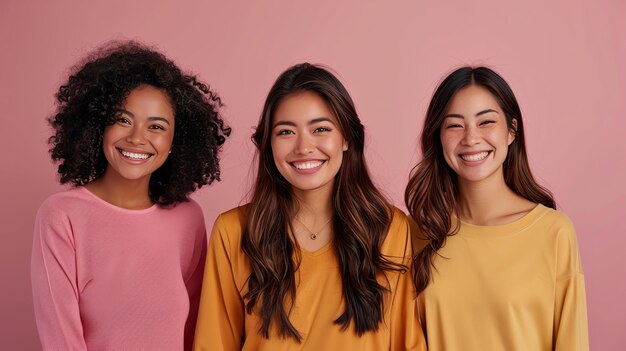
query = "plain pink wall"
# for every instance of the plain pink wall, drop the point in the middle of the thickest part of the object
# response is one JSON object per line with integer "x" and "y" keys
{"x": 564, "y": 60}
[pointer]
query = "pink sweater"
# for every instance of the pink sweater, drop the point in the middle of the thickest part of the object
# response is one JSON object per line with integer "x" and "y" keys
{"x": 107, "y": 278}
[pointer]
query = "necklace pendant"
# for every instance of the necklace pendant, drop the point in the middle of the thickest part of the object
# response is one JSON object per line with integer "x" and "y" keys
{"x": 312, "y": 234}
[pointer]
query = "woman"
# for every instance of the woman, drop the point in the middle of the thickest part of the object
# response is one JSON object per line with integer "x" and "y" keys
{"x": 501, "y": 269}
{"x": 317, "y": 259}
{"x": 117, "y": 261}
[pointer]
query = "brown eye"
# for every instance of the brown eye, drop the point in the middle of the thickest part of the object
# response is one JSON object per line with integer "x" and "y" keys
{"x": 122, "y": 120}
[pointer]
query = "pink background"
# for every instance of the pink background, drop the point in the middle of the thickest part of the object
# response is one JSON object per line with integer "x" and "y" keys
{"x": 564, "y": 59}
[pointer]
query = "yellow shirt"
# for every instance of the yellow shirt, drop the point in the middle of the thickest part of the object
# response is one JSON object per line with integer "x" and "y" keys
{"x": 223, "y": 323}
{"x": 518, "y": 286}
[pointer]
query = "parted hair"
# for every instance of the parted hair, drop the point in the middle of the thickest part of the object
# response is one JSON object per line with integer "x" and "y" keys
{"x": 361, "y": 218}
{"x": 432, "y": 190}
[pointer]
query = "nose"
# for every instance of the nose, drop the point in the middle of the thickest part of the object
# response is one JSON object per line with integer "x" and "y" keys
{"x": 304, "y": 145}
{"x": 136, "y": 136}
{"x": 471, "y": 136}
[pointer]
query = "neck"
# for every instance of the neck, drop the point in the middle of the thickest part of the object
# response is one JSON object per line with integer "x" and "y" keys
{"x": 131, "y": 194}
{"x": 482, "y": 202}
{"x": 315, "y": 205}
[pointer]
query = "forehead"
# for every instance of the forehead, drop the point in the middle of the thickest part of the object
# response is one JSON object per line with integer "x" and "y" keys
{"x": 472, "y": 99}
{"x": 302, "y": 107}
{"x": 146, "y": 99}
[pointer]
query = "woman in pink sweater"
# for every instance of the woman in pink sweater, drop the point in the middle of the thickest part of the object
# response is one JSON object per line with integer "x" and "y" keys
{"x": 117, "y": 261}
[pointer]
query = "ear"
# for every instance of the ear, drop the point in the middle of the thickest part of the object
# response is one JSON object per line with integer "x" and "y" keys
{"x": 512, "y": 131}
{"x": 345, "y": 145}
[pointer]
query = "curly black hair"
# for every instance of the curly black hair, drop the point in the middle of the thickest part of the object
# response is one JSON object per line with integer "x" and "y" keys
{"x": 98, "y": 86}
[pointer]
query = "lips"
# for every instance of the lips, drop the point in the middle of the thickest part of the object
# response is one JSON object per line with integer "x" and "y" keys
{"x": 478, "y": 156}
{"x": 135, "y": 156}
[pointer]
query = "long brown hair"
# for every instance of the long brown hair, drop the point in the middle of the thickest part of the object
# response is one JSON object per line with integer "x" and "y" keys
{"x": 431, "y": 194}
{"x": 361, "y": 218}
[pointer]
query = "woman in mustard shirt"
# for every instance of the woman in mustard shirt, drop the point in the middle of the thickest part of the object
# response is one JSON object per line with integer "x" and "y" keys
{"x": 318, "y": 259}
{"x": 501, "y": 270}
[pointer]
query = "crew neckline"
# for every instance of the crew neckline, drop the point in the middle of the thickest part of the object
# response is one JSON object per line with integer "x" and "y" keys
{"x": 508, "y": 228}
{"x": 114, "y": 207}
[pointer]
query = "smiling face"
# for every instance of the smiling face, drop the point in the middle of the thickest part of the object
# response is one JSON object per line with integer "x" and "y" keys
{"x": 140, "y": 139}
{"x": 475, "y": 136}
{"x": 307, "y": 144}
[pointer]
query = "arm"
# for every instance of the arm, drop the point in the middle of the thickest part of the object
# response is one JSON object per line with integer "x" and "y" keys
{"x": 570, "y": 309}
{"x": 221, "y": 315}
{"x": 405, "y": 328}
{"x": 194, "y": 284}
{"x": 54, "y": 280}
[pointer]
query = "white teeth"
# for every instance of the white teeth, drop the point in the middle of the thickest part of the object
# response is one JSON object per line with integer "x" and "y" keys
{"x": 475, "y": 157}
{"x": 307, "y": 165}
{"x": 135, "y": 156}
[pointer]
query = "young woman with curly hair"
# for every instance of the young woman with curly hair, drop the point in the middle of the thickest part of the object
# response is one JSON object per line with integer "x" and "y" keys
{"x": 318, "y": 259}
{"x": 500, "y": 268}
{"x": 117, "y": 261}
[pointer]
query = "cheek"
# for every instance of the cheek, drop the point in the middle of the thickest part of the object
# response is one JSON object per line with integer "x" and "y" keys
{"x": 448, "y": 145}
{"x": 500, "y": 137}
{"x": 333, "y": 146}
{"x": 109, "y": 136}
{"x": 448, "y": 142}
{"x": 510, "y": 137}
{"x": 280, "y": 149}
{"x": 163, "y": 141}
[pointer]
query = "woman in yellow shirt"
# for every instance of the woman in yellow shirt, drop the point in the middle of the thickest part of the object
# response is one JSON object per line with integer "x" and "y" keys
{"x": 500, "y": 268}
{"x": 318, "y": 259}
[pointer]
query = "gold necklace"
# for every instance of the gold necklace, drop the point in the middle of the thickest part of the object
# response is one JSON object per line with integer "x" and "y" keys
{"x": 313, "y": 235}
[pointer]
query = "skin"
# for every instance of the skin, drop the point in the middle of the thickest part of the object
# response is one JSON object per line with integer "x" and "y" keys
{"x": 475, "y": 139}
{"x": 144, "y": 126}
{"x": 306, "y": 135}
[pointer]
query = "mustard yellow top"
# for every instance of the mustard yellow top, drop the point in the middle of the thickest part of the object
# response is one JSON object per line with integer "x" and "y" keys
{"x": 518, "y": 286}
{"x": 223, "y": 323}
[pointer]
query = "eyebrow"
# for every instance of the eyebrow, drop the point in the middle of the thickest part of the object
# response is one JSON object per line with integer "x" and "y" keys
{"x": 313, "y": 121}
{"x": 454, "y": 115}
{"x": 159, "y": 119}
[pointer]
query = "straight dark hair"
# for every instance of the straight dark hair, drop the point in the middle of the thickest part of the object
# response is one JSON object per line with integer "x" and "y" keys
{"x": 431, "y": 194}
{"x": 361, "y": 218}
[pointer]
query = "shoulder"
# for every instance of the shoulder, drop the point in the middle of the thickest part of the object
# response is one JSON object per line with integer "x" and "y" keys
{"x": 57, "y": 213}
{"x": 186, "y": 217}
{"x": 554, "y": 223}
{"x": 419, "y": 240}
{"x": 561, "y": 233}
{"x": 398, "y": 239}
{"x": 558, "y": 231}
{"x": 228, "y": 226}
{"x": 233, "y": 216}
{"x": 64, "y": 203}
{"x": 188, "y": 208}
{"x": 401, "y": 224}
{"x": 399, "y": 220}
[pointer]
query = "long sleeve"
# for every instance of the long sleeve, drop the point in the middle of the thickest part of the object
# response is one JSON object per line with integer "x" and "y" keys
{"x": 54, "y": 281}
{"x": 194, "y": 286}
{"x": 406, "y": 331}
{"x": 405, "y": 328}
{"x": 570, "y": 310}
{"x": 221, "y": 316}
